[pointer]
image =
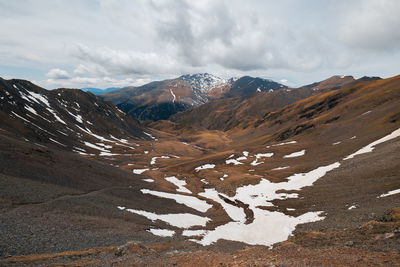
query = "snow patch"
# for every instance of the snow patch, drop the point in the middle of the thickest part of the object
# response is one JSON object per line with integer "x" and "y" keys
{"x": 162, "y": 232}
{"x": 296, "y": 154}
{"x": 173, "y": 95}
{"x": 189, "y": 201}
{"x": 233, "y": 161}
{"x": 55, "y": 141}
{"x": 393, "y": 192}
{"x": 285, "y": 143}
{"x": 154, "y": 159}
{"x": 205, "y": 166}
{"x": 180, "y": 220}
{"x": 179, "y": 183}
{"x": 371, "y": 147}
{"x": 139, "y": 171}
{"x": 193, "y": 232}
{"x": 235, "y": 213}
{"x": 280, "y": 168}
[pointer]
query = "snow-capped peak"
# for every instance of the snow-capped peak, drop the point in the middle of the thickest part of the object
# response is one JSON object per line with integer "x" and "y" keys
{"x": 203, "y": 81}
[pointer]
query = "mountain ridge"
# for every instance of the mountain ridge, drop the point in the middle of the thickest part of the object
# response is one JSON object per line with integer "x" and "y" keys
{"x": 165, "y": 98}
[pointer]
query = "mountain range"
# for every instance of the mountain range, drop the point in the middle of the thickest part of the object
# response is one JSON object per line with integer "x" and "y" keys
{"x": 200, "y": 170}
{"x": 98, "y": 91}
{"x": 159, "y": 100}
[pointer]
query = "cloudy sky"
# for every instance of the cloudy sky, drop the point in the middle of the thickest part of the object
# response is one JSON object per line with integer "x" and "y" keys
{"x": 107, "y": 43}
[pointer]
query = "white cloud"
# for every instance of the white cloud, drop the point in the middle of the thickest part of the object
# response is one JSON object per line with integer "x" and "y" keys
{"x": 299, "y": 41}
{"x": 106, "y": 61}
{"x": 57, "y": 74}
{"x": 98, "y": 82}
{"x": 372, "y": 25}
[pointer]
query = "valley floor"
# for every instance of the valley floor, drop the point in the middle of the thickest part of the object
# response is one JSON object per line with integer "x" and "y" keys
{"x": 316, "y": 183}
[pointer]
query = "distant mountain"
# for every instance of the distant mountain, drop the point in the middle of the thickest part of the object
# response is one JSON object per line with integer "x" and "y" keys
{"x": 248, "y": 86}
{"x": 334, "y": 82}
{"x": 159, "y": 100}
{"x": 98, "y": 91}
{"x": 255, "y": 97}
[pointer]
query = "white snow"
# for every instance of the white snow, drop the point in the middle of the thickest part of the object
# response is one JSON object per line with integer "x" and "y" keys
{"x": 267, "y": 228}
{"x": 162, "y": 232}
{"x": 205, "y": 166}
{"x": 336, "y": 143}
{"x": 148, "y": 180}
{"x": 39, "y": 97}
{"x": 245, "y": 153}
{"x": 173, "y": 95}
{"x": 104, "y": 145}
{"x": 370, "y": 147}
{"x": 62, "y": 133}
{"x": 101, "y": 138}
{"x": 102, "y": 153}
{"x": 149, "y": 135}
{"x": 265, "y": 155}
{"x": 22, "y": 118}
{"x": 204, "y": 181}
{"x": 255, "y": 162}
{"x": 95, "y": 147}
{"x": 260, "y": 155}
{"x": 296, "y": 154}
{"x": 55, "y": 141}
{"x": 393, "y": 192}
{"x": 235, "y": 213}
{"x": 365, "y": 113}
{"x": 78, "y": 118}
{"x": 78, "y": 148}
{"x": 223, "y": 177}
{"x": 233, "y": 161}
{"x": 352, "y": 207}
{"x": 193, "y": 232}
{"x": 153, "y": 159}
{"x": 261, "y": 193}
{"x": 139, "y": 171}
{"x": 280, "y": 168}
{"x": 285, "y": 143}
{"x": 56, "y": 116}
{"x": 179, "y": 183}
{"x": 203, "y": 81}
{"x": 124, "y": 141}
{"x": 181, "y": 220}
{"x": 353, "y": 137}
{"x": 30, "y": 109}
{"x": 189, "y": 201}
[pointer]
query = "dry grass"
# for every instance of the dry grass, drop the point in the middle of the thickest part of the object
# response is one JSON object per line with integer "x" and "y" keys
{"x": 45, "y": 257}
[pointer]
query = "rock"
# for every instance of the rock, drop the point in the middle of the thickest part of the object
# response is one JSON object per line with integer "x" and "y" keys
{"x": 349, "y": 243}
{"x": 388, "y": 235}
